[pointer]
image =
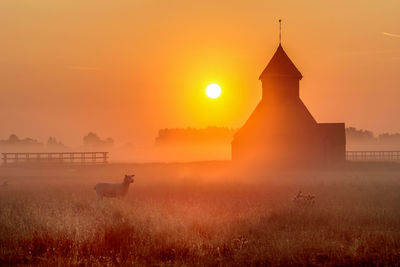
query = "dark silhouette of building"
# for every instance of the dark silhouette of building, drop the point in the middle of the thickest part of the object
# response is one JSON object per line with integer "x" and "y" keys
{"x": 281, "y": 130}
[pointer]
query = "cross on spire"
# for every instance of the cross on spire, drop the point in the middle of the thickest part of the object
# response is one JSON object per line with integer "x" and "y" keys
{"x": 280, "y": 31}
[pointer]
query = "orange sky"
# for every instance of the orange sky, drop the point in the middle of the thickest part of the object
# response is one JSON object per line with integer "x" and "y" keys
{"x": 126, "y": 68}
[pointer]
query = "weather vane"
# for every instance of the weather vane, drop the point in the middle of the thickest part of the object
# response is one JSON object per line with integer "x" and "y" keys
{"x": 280, "y": 31}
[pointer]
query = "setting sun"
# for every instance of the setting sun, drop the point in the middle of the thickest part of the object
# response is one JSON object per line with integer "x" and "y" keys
{"x": 213, "y": 90}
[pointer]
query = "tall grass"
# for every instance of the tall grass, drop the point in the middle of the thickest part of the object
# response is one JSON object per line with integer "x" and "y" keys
{"x": 353, "y": 221}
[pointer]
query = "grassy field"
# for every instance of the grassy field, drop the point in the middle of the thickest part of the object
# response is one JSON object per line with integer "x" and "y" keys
{"x": 189, "y": 219}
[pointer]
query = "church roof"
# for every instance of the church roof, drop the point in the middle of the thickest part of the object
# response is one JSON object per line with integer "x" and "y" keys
{"x": 274, "y": 119}
{"x": 280, "y": 65}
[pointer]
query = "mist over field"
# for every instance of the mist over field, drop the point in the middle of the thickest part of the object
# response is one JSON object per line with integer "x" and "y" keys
{"x": 181, "y": 144}
{"x": 199, "y": 214}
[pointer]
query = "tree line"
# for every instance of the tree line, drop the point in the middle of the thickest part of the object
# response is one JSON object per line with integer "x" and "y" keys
{"x": 89, "y": 142}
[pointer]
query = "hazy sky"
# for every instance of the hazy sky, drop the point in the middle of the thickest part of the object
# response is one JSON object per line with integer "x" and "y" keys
{"x": 125, "y": 68}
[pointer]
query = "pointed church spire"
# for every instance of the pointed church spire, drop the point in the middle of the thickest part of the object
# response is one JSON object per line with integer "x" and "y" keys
{"x": 280, "y": 64}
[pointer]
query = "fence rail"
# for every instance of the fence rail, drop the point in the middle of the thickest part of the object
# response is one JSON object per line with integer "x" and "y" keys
{"x": 80, "y": 158}
{"x": 373, "y": 155}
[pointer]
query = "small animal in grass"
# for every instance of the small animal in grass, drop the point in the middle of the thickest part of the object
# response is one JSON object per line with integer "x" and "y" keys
{"x": 304, "y": 200}
{"x": 118, "y": 190}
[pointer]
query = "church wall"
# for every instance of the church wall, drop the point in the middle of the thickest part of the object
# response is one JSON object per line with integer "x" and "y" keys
{"x": 286, "y": 150}
{"x": 335, "y": 141}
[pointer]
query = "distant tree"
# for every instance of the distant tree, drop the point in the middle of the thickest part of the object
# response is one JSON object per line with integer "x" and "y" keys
{"x": 91, "y": 140}
{"x": 53, "y": 144}
{"x": 13, "y": 139}
{"x": 109, "y": 141}
{"x": 392, "y": 138}
{"x": 353, "y": 134}
{"x": 14, "y": 143}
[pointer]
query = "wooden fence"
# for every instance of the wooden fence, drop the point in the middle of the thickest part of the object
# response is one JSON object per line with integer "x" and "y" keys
{"x": 373, "y": 155}
{"x": 80, "y": 158}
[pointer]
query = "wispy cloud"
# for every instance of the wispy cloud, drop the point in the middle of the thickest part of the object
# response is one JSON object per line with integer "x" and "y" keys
{"x": 391, "y": 34}
{"x": 82, "y": 68}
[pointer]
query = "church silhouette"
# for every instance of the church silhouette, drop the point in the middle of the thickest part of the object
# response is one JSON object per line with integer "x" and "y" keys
{"x": 281, "y": 130}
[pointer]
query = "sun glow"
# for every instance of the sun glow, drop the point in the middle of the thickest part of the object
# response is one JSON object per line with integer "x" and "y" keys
{"x": 213, "y": 90}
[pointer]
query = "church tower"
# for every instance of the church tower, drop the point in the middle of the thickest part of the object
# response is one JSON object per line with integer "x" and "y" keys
{"x": 281, "y": 130}
{"x": 280, "y": 78}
